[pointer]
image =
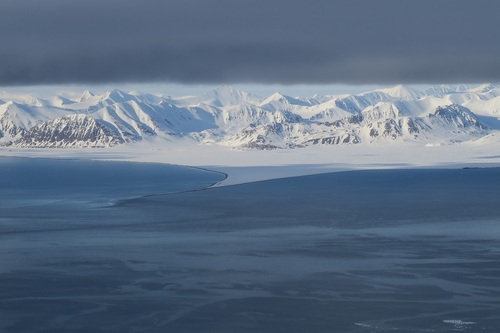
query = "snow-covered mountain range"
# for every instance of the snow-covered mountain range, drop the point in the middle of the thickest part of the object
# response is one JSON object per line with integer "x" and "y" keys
{"x": 229, "y": 117}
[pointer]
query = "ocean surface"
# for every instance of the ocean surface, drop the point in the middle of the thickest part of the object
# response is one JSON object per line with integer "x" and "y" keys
{"x": 91, "y": 246}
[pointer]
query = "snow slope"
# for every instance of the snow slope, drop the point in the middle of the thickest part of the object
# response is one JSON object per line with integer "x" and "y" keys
{"x": 232, "y": 118}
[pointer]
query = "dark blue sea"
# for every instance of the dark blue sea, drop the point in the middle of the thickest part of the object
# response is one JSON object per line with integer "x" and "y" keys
{"x": 89, "y": 246}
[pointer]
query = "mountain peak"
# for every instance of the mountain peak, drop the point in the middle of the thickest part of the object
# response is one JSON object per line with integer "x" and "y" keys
{"x": 445, "y": 89}
{"x": 484, "y": 88}
{"x": 278, "y": 100}
{"x": 87, "y": 94}
{"x": 11, "y": 103}
{"x": 277, "y": 96}
{"x": 226, "y": 89}
{"x": 116, "y": 92}
{"x": 401, "y": 92}
{"x": 117, "y": 96}
{"x": 226, "y": 95}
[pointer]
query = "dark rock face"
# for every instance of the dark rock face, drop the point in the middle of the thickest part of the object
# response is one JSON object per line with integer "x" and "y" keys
{"x": 347, "y": 138}
{"x": 70, "y": 131}
{"x": 458, "y": 116}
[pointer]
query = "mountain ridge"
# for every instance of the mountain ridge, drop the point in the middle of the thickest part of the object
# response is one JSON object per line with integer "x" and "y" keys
{"x": 230, "y": 117}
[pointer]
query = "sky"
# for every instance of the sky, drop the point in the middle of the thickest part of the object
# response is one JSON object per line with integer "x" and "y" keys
{"x": 283, "y": 44}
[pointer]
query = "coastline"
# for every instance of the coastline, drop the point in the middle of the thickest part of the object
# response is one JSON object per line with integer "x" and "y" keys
{"x": 239, "y": 167}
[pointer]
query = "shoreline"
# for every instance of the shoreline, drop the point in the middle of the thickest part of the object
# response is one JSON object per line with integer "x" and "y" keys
{"x": 239, "y": 167}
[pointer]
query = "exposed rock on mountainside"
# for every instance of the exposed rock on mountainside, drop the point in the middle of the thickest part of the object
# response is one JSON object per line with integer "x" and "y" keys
{"x": 70, "y": 131}
{"x": 233, "y": 118}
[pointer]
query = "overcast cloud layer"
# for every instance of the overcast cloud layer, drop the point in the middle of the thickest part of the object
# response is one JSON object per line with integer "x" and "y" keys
{"x": 258, "y": 41}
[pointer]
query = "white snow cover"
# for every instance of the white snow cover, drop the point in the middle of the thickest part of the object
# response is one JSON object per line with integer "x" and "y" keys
{"x": 253, "y": 138}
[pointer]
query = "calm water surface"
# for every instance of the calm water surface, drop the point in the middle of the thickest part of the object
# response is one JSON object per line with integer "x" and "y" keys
{"x": 82, "y": 250}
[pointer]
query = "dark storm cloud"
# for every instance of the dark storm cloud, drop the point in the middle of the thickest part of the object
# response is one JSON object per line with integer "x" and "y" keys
{"x": 272, "y": 41}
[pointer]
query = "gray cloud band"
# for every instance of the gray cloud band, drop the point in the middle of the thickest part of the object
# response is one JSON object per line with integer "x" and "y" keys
{"x": 220, "y": 41}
